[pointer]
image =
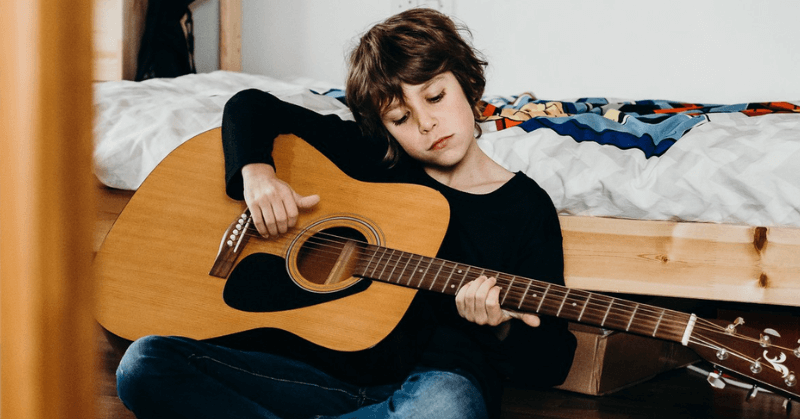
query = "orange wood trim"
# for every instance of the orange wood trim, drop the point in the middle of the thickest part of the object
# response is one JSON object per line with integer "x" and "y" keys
{"x": 47, "y": 334}
{"x": 230, "y": 35}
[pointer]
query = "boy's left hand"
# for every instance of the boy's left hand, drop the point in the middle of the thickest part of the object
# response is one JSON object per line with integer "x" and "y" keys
{"x": 479, "y": 302}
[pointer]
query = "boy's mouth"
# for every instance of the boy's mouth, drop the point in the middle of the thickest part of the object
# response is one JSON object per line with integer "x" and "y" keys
{"x": 440, "y": 143}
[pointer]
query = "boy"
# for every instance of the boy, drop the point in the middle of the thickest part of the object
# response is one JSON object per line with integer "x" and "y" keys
{"x": 414, "y": 86}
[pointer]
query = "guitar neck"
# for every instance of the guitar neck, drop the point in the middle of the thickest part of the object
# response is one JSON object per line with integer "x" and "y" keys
{"x": 524, "y": 294}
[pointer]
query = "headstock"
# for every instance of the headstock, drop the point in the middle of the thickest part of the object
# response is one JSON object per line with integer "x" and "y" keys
{"x": 764, "y": 357}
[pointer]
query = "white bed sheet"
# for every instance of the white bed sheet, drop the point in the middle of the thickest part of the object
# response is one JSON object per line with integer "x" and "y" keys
{"x": 731, "y": 169}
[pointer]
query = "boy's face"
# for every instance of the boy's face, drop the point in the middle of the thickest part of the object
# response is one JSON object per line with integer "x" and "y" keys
{"x": 435, "y": 125}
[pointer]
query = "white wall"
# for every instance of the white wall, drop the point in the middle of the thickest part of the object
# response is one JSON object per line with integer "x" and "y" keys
{"x": 721, "y": 51}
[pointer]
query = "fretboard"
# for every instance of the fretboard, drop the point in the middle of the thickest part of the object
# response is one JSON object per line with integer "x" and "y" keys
{"x": 523, "y": 294}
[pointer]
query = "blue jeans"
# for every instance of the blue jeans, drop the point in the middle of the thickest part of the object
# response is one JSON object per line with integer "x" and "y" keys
{"x": 170, "y": 377}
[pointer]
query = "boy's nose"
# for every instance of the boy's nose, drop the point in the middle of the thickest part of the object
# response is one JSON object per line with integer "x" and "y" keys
{"x": 427, "y": 123}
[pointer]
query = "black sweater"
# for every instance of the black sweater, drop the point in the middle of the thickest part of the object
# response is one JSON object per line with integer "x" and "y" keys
{"x": 513, "y": 229}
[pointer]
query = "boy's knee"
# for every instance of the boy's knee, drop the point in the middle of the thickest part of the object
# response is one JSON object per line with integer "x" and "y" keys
{"x": 448, "y": 395}
{"x": 137, "y": 373}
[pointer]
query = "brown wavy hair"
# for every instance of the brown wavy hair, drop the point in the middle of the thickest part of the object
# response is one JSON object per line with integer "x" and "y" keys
{"x": 411, "y": 47}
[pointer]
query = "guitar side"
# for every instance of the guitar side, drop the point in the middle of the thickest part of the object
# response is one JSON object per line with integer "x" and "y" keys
{"x": 152, "y": 272}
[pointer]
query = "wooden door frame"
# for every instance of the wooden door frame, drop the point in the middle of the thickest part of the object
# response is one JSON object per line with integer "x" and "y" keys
{"x": 47, "y": 335}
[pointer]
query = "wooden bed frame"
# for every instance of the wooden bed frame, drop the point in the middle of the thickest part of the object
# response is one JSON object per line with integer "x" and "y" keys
{"x": 673, "y": 259}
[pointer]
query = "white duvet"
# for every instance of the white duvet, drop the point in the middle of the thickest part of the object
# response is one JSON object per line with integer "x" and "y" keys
{"x": 731, "y": 169}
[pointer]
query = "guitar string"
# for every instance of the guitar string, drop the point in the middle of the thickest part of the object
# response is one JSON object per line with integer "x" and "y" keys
{"x": 739, "y": 336}
{"x": 625, "y": 319}
{"x": 412, "y": 258}
{"x": 661, "y": 313}
{"x": 599, "y": 307}
{"x": 712, "y": 344}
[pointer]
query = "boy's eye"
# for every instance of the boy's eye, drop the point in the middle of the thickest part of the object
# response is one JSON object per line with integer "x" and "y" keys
{"x": 401, "y": 120}
{"x": 437, "y": 98}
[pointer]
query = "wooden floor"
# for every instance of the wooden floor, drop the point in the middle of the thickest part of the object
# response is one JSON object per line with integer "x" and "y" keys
{"x": 675, "y": 394}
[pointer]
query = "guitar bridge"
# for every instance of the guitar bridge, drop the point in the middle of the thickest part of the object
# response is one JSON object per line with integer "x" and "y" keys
{"x": 232, "y": 242}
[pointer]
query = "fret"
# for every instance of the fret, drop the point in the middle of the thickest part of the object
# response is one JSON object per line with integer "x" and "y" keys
{"x": 394, "y": 267}
{"x": 378, "y": 263}
{"x": 586, "y": 303}
{"x": 421, "y": 280}
{"x": 463, "y": 277}
{"x": 380, "y": 275}
{"x": 524, "y": 294}
{"x": 449, "y": 277}
{"x": 436, "y": 277}
{"x": 607, "y": 311}
{"x": 543, "y": 296}
{"x": 413, "y": 271}
{"x": 658, "y": 322}
{"x": 562, "y": 302}
{"x": 508, "y": 288}
{"x": 631, "y": 320}
{"x": 369, "y": 262}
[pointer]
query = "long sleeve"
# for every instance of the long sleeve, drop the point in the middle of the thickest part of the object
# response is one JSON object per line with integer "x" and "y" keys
{"x": 252, "y": 119}
{"x": 543, "y": 355}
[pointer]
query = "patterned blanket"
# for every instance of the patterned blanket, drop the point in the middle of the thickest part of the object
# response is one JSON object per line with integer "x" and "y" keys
{"x": 651, "y": 126}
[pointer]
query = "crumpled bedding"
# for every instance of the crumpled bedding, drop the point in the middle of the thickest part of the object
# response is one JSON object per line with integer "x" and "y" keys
{"x": 646, "y": 159}
{"x": 655, "y": 160}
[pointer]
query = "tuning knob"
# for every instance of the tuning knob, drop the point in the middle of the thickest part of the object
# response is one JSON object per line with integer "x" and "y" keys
{"x": 715, "y": 379}
{"x": 732, "y": 327}
{"x": 791, "y": 380}
{"x": 755, "y": 367}
{"x": 797, "y": 350}
{"x": 752, "y": 393}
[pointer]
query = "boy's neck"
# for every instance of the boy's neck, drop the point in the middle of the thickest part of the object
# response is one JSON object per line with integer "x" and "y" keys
{"x": 477, "y": 173}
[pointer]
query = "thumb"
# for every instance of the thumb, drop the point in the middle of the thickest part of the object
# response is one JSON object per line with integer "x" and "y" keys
{"x": 306, "y": 202}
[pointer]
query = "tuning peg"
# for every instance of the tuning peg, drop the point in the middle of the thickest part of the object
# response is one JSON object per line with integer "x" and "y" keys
{"x": 755, "y": 367}
{"x": 732, "y": 327}
{"x": 797, "y": 350}
{"x": 715, "y": 379}
{"x": 752, "y": 393}
{"x": 787, "y": 406}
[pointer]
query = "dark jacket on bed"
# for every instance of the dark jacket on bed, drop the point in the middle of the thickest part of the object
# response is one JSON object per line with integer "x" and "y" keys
{"x": 514, "y": 230}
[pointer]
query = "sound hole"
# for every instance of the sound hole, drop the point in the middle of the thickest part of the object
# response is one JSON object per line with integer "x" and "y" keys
{"x": 329, "y": 256}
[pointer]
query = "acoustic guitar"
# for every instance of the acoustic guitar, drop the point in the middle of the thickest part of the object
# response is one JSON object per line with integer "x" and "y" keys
{"x": 344, "y": 277}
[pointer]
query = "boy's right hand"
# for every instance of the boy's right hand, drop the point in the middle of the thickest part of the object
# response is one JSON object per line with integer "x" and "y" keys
{"x": 273, "y": 204}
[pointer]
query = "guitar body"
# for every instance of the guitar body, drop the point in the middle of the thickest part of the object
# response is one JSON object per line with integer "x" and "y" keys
{"x": 152, "y": 272}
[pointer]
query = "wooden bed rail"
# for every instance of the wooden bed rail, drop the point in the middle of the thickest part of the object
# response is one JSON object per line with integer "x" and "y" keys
{"x": 680, "y": 259}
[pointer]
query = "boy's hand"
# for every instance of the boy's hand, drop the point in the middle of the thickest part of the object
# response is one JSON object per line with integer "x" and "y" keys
{"x": 273, "y": 204}
{"x": 479, "y": 302}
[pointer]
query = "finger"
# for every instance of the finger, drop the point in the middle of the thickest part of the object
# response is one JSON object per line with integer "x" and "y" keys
{"x": 269, "y": 220}
{"x": 494, "y": 313}
{"x": 482, "y": 295}
{"x": 531, "y": 320}
{"x": 299, "y": 202}
{"x": 461, "y": 303}
{"x": 279, "y": 212}
{"x": 306, "y": 202}
{"x": 257, "y": 219}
